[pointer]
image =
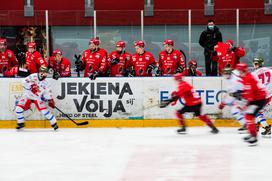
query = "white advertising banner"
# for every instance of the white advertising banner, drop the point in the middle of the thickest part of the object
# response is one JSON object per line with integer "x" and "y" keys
{"x": 114, "y": 98}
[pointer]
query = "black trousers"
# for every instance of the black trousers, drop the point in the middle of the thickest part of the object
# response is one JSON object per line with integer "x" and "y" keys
{"x": 258, "y": 105}
{"x": 210, "y": 65}
{"x": 194, "y": 109}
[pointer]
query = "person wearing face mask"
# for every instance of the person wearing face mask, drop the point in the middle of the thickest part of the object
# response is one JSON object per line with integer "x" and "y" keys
{"x": 208, "y": 39}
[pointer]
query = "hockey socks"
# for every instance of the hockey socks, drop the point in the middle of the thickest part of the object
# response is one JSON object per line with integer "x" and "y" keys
{"x": 251, "y": 125}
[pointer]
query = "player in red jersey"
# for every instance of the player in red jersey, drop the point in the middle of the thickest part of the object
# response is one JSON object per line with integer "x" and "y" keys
{"x": 118, "y": 60}
{"x": 7, "y": 57}
{"x": 60, "y": 65}
{"x": 256, "y": 96}
{"x": 170, "y": 60}
{"x": 94, "y": 60}
{"x": 192, "y": 69}
{"x": 192, "y": 103}
{"x": 142, "y": 63}
{"x": 34, "y": 59}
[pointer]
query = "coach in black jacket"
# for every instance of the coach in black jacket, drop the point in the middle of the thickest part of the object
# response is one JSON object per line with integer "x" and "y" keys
{"x": 208, "y": 39}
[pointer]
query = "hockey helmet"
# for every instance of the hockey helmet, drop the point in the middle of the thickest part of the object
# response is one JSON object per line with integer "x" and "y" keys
{"x": 121, "y": 44}
{"x": 3, "y": 41}
{"x": 139, "y": 43}
{"x": 192, "y": 62}
{"x": 241, "y": 67}
{"x": 259, "y": 61}
{"x": 43, "y": 69}
{"x": 95, "y": 41}
{"x": 57, "y": 51}
{"x": 178, "y": 77}
{"x": 168, "y": 42}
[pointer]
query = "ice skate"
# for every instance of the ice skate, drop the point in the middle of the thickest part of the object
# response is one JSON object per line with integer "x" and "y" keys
{"x": 267, "y": 131}
{"x": 20, "y": 126}
{"x": 242, "y": 130}
{"x": 55, "y": 126}
{"x": 182, "y": 130}
{"x": 214, "y": 130}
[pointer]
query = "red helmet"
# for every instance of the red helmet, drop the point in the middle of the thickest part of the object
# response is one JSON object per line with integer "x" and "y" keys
{"x": 121, "y": 44}
{"x": 3, "y": 41}
{"x": 31, "y": 45}
{"x": 139, "y": 43}
{"x": 95, "y": 41}
{"x": 241, "y": 67}
{"x": 192, "y": 62}
{"x": 230, "y": 42}
{"x": 178, "y": 76}
{"x": 57, "y": 51}
{"x": 168, "y": 42}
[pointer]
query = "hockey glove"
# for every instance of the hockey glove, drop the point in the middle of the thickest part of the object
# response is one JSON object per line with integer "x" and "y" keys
{"x": 93, "y": 75}
{"x": 237, "y": 95}
{"x": 78, "y": 63}
{"x": 21, "y": 58}
{"x": 51, "y": 103}
{"x": 179, "y": 69}
{"x": 150, "y": 69}
{"x": 221, "y": 105}
{"x": 115, "y": 61}
{"x": 158, "y": 73}
{"x": 56, "y": 75}
{"x": 35, "y": 89}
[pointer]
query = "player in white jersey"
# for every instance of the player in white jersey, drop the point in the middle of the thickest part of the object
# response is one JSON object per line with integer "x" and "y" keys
{"x": 36, "y": 90}
{"x": 263, "y": 75}
{"x": 233, "y": 96}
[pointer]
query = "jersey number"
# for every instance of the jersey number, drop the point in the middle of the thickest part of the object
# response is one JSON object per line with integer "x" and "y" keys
{"x": 265, "y": 77}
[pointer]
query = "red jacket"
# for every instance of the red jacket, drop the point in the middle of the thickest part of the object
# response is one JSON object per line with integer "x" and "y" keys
{"x": 253, "y": 91}
{"x": 7, "y": 59}
{"x": 188, "y": 72}
{"x": 141, "y": 62}
{"x": 169, "y": 62}
{"x": 94, "y": 61}
{"x": 34, "y": 61}
{"x": 231, "y": 57}
{"x": 119, "y": 68}
{"x": 63, "y": 68}
{"x": 188, "y": 94}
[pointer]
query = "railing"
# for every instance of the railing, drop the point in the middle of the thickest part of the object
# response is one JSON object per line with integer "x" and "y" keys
{"x": 70, "y": 30}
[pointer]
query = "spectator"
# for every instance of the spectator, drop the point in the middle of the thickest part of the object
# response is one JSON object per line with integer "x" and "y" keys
{"x": 7, "y": 57}
{"x": 230, "y": 57}
{"x": 170, "y": 60}
{"x": 208, "y": 39}
{"x": 192, "y": 69}
{"x": 61, "y": 66}
{"x": 143, "y": 62}
{"x": 118, "y": 60}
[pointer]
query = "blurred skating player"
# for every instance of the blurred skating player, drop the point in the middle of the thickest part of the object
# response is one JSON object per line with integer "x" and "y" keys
{"x": 170, "y": 60}
{"x": 37, "y": 91}
{"x": 34, "y": 59}
{"x": 60, "y": 65}
{"x": 233, "y": 96}
{"x": 192, "y": 103}
{"x": 263, "y": 75}
{"x": 94, "y": 60}
{"x": 7, "y": 57}
{"x": 142, "y": 63}
{"x": 256, "y": 96}
{"x": 118, "y": 60}
{"x": 192, "y": 69}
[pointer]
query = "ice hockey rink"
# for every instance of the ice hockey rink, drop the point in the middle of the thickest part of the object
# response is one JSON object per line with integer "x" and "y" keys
{"x": 132, "y": 154}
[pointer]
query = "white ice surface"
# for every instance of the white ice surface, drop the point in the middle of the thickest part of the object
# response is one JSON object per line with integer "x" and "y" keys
{"x": 132, "y": 154}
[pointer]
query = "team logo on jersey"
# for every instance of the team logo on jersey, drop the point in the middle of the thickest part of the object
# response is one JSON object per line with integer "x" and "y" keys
{"x": 162, "y": 57}
{"x": 128, "y": 57}
{"x": 175, "y": 57}
{"x": 140, "y": 59}
{"x": 168, "y": 58}
{"x": 147, "y": 58}
{"x": 97, "y": 56}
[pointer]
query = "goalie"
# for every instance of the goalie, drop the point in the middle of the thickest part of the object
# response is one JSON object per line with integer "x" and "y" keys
{"x": 192, "y": 103}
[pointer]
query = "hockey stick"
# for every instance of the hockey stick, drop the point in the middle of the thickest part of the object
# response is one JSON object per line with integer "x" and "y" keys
{"x": 185, "y": 58}
{"x": 78, "y": 124}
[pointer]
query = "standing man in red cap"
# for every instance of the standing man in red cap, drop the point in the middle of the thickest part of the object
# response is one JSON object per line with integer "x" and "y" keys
{"x": 192, "y": 103}
{"x": 60, "y": 65}
{"x": 170, "y": 60}
{"x": 142, "y": 63}
{"x": 94, "y": 60}
{"x": 118, "y": 60}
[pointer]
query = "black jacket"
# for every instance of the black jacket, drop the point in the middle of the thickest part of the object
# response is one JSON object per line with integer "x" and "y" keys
{"x": 208, "y": 39}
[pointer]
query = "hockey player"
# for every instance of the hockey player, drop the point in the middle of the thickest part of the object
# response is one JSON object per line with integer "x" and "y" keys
{"x": 37, "y": 91}
{"x": 94, "y": 60}
{"x": 170, "y": 60}
{"x": 7, "y": 57}
{"x": 263, "y": 75}
{"x": 118, "y": 60}
{"x": 255, "y": 94}
{"x": 231, "y": 57}
{"x": 192, "y": 69}
{"x": 60, "y": 65}
{"x": 192, "y": 103}
{"x": 142, "y": 63}
{"x": 34, "y": 59}
{"x": 233, "y": 98}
